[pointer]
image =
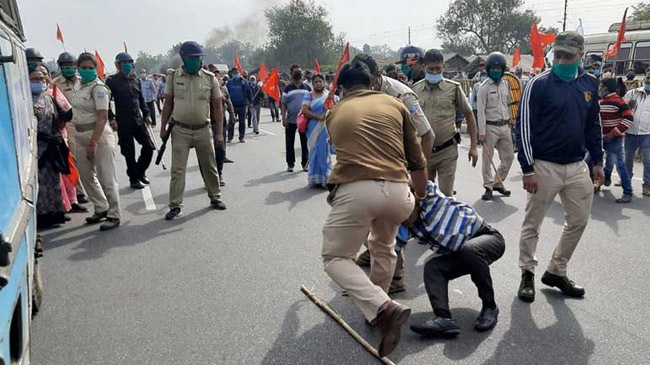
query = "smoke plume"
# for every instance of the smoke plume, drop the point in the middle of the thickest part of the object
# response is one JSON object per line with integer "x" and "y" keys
{"x": 252, "y": 29}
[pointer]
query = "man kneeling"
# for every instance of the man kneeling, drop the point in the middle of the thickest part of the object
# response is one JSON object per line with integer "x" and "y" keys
{"x": 464, "y": 244}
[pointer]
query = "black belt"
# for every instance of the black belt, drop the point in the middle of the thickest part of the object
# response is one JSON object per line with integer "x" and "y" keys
{"x": 191, "y": 127}
{"x": 449, "y": 143}
{"x": 498, "y": 123}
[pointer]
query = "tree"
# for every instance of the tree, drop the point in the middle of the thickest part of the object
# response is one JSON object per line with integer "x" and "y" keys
{"x": 640, "y": 12}
{"x": 484, "y": 26}
{"x": 149, "y": 62}
{"x": 366, "y": 49}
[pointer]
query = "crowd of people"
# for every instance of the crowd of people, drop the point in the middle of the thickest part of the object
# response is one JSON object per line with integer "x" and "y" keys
{"x": 395, "y": 132}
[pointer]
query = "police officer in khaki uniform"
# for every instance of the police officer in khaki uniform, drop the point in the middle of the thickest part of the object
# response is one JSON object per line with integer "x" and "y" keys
{"x": 440, "y": 98}
{"x": 96, "y": 144}
{"x": 192, "y": 101}
{"x": 493, "y": 112}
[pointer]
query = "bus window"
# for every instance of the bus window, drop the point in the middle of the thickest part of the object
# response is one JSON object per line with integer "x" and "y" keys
{"x": 593, "y": 56}
{"x": 641, "y": 57}
{"x": 622, "y": 58}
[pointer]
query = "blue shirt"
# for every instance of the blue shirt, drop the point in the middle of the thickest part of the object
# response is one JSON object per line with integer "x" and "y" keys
{"x": 444, "y": 223}
{"x": 292, "y": 98}
{"x": 240, "y": 92}
{"x": 148, "y": 90}
{"x": 559, "y": 121}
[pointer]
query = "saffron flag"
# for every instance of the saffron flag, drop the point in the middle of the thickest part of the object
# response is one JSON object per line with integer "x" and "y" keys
{"x": 619, "y": 40}
{"x": 538, "y": 42}
{"x": 238, "y": 65}
{"x": 126, "y": 50}
{"x": 317, "y": 66}
{"x": 345, "y": 58}
{"x": 263, "y": 74}
{"x": 516, "y": 59}
{"x": 59, "y": 34}
{"x": 271, "y": 86}
{"x": 101, "y": 73}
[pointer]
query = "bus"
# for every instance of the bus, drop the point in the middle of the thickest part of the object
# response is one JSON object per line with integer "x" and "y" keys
{"x": 19, "y": 297}
{"x": 634, "y": 53}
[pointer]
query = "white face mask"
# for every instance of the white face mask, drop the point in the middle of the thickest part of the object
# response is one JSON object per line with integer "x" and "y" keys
{"x": 143, "y": 76}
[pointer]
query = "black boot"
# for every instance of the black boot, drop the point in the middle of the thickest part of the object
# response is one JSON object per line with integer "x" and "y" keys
{"x": 568, "y": 287}
{"x": 527, "y": 287}
{"x": 97, "y": 217}
{"x": 111, "y": 223}
{"x": 487, "y": 195}
{"x": 487, "y": 319}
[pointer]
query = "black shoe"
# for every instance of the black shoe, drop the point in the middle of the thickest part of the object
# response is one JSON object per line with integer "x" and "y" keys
{"x": 173, "y": 214}
{"x": 250, "y": 126}
{"x": 568, "y": 287}
{"x": 111, "y": 223}
{"x": 82, "y": 199}
{"x": 502, "y": 190}
{"x": 145, "y": 180}
{"x": 527, "y": 287}
{"x": 487, "y": 319}
{"x": 218, "y": 205}
{"x": 437, "y": 326}
{"x": 608, "y": 180}
{"x": 241, "y": 140}
{"x": 97, "y": 217}
{"x": 256, "y": 132}
{"x": 76, "y": 208}
{"x": 221, "y": 181}
{"x": 487, "y": 195}
{"x": 137, "y": 185}
{"x": 290, "y": 169}
{"x": 227, "y": 160}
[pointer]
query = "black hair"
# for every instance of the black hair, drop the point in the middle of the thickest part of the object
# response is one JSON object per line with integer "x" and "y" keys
{"x": 318, "y": 75}
{"x": 86, "y": 57}
{"x": 355, "y": 74}
{"x": 293, "y": 67}
{"x": 233, "y": 70}
{"x": 609, "y": 83}
{"x": 369, "y": 61}
{"x": 434, "y": 56}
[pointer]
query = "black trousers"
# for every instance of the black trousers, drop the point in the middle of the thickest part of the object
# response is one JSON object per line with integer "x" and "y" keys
{"x": 152, "y": 111}
{"x": 127, "y": 132}
{"x": 241, "y": 115}
{"x": 473, "y": 258}
{"x": 220, "y": 150}
{"x": 290, "y": 139}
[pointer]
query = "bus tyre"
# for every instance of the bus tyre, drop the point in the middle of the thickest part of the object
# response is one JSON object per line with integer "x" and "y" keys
{"x": 37, "y": 285}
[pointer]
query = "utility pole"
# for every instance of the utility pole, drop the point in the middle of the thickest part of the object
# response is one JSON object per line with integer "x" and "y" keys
{"x": 564, "y": 22}
{"x": 409, "y": 35}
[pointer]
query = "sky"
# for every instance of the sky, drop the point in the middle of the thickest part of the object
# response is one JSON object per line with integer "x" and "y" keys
{"x": 154, "y": 25}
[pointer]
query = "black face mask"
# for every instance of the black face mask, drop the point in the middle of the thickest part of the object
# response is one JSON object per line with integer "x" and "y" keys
{"x": 297, "y": 76}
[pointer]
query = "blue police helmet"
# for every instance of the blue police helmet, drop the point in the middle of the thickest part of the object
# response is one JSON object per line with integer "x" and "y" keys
{"x": 191, "y": 48}
{"x": 496, "y": 59}
{"x": 31, "y": 53}
{"x": 123, "y": 56}
{"x": 66, "y": 57}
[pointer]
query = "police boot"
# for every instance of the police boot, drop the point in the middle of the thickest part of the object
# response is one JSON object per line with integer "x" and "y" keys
{"x": 111, "y": 223}
{"x": 97, "y": 217}
{"x": 487, "y": 195}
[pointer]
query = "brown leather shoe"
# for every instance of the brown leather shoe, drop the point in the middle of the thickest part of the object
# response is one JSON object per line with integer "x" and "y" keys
{"x": 390, "y": 318}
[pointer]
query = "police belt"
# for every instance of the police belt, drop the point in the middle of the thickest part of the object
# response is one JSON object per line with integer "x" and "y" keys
{"x": 192, "y": 127}
{"x": 498, "y": 123}
{"x": 449, "y": 143}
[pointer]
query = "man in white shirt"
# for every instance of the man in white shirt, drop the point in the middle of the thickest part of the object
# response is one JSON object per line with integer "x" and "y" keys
{"x": 638, "y": 136}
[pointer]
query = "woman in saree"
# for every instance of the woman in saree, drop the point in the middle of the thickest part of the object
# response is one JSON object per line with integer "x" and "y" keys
{"x": 52, "y": 152}
{"x": 320, "y": 152}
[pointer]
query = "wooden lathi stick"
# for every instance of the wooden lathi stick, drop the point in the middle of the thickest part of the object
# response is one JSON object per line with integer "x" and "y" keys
{"x": 327, "y": 309}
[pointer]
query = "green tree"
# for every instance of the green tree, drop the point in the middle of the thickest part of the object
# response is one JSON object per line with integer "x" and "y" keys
{"x": 149, "y": 62}
{"x": 484, "y": 26}
{"x": 640, "y": 12}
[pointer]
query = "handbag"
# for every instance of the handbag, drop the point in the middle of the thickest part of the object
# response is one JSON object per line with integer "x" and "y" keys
{"x": 303, "y": 122}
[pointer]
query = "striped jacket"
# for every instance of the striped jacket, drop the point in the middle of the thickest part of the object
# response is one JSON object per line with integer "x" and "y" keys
{"x": 615, "y": 115}
{"x": 559, "y": 122}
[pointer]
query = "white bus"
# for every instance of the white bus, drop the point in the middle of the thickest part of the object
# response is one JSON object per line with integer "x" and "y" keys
{"x": 634, "y": 53}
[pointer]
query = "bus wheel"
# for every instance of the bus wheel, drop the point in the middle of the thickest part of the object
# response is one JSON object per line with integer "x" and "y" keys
{"x": 37, "y": 287}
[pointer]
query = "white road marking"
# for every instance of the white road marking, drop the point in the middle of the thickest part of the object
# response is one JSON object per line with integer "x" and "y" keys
{"x": 267, "y": 132}
{"x": 148, "y": 198}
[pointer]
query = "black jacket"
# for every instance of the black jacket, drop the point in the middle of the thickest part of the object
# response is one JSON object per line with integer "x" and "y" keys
{"x": 129, "y": 102}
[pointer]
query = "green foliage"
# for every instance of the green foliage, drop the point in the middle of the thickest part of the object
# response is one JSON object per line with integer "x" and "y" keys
{"x": 149, "y": 62}
{"x": 640, "y": 12}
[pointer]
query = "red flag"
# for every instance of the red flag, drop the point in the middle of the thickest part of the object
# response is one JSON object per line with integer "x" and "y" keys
{"x": 101, "y": 73}
{"x": 126, "y": 50}
{"x": 538, "y": 42}
{"x": 55, "y": 91}
{"x": 271, "y": 86}
{"x": 263, "y": 74}
{"x": 516, "y": 58}
{"x": 619, "y": 40}
{"x": 317, "y": 65}
{"x": 345, "y": 58}
{"x": 59, "y": 34}
{"x": 238, "y": 65}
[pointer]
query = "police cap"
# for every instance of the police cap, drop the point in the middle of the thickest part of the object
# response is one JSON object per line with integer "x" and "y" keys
{"x": 31, "y": 53}
{"x": 123, "y": 57}
{"x": 191, "y": 48}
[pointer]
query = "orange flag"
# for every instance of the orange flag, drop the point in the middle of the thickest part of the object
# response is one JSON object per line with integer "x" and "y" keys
{"x": 59, "y": 34}
{"x": 271, "y": 86}
{"x": 538, "y": 42}
{"x": 619, "y": 40}
{"x": 263, "y": 74}
{"x": 317, "y": 65}
{"x": 345, "y": 58}
{"x": 238, "y": 65}
{"x": 101, "y": 73}
{"x": 125, "y": 49}
{"x": 516, "y": 59}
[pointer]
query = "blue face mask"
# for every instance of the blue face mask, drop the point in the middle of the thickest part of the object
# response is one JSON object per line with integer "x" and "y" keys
{"x": 433, "y": 78}
{"x": 236, "y": 77}
{"x": 596, "y": 73}
{"x": 646, "y": 88}
{"x": 38, "y": 87}
{"x": 566, "y": 72}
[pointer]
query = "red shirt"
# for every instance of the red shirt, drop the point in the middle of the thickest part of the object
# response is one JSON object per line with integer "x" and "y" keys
{"x": 615, "y": 115}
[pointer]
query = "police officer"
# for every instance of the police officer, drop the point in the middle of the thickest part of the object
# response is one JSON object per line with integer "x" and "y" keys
{"x": 493, "y": 112}
{"x": 133, "y": 116}
{"x": 34, "y": 58}
{"x": 440, "y": 98}
{"x": 192, "y": 101}
{"x": 412, "y": 61}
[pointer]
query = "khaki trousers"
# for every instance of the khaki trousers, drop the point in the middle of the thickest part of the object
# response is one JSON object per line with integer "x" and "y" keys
{"x": 501, "y": 138}
{"x": 72, "y": 145}
{"x": 358, "y": 207}
{"x": 573, "y": 184}
{"x": 98, "y": 176}
{"x": 182, "y": 141}
{"x": 443, "y": 165}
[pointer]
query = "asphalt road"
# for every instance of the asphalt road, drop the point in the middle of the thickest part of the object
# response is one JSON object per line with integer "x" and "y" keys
{"x": 223, "y": 287}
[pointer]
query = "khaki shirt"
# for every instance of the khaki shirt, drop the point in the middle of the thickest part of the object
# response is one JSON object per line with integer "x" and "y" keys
{"x": 67, "y": 87}
{"x": 192, "y": 95}
{"x": 374, "y": 138}
{"x": 90, "y": 98}
{"x": 397, "y": 89}
{"x": 439, "y": 102}
{"x": 492, "y": 103}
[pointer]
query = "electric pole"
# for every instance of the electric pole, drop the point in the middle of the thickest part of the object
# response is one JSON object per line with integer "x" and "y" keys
{"x": 564, "y": 22}
{"x": 409, "y": 35}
